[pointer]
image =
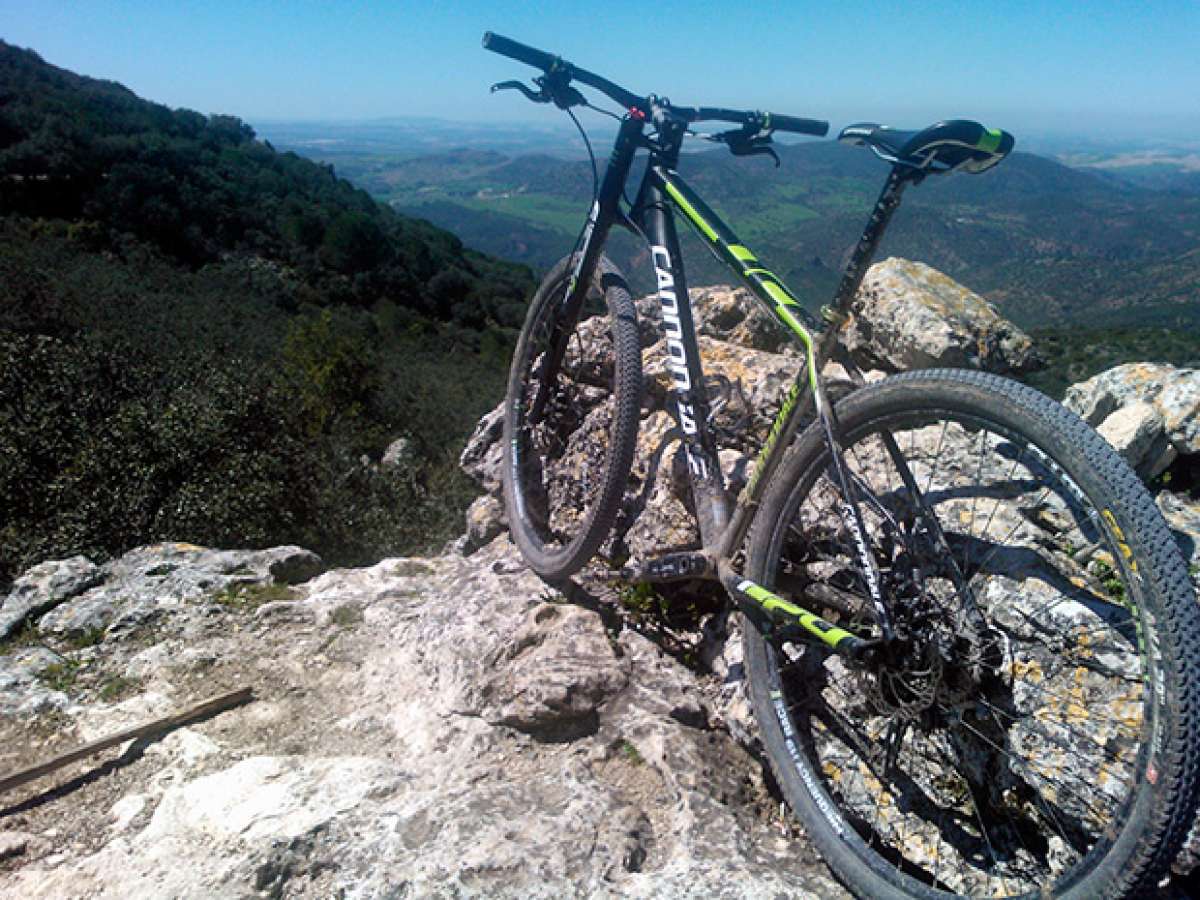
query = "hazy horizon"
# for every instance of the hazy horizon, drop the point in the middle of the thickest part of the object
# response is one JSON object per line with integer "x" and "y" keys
{"x": 1099, "y": 71}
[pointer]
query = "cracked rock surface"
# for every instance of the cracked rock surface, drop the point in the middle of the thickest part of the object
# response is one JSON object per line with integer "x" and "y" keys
{"x": 444, "y": 727}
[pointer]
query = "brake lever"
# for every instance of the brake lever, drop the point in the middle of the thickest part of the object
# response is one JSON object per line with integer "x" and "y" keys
{"x": 755, "y": 147}
{"x": 519, "y": 86}
{"x": 747, "y": 143}
{"x": 556, "y": 87}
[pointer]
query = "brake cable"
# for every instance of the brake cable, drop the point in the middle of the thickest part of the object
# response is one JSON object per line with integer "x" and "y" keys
{"x": 591, "y": 157}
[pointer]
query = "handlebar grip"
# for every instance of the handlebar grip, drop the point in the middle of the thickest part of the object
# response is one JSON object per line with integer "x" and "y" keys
{"x": 795, "y": 124}
{"x": 531, "y": 56}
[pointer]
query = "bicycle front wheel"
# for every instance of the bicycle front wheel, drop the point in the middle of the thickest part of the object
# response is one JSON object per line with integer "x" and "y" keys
{"x": 571, "y": 420}
{"x": 1033, "y": 731}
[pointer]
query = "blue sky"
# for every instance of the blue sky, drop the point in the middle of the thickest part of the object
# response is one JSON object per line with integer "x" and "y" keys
{"x": 1121, "y": 68}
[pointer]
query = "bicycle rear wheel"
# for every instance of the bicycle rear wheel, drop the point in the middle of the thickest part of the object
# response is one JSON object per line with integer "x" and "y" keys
{"x": 1036, "y": 732}
{"x": 570, "y": 428}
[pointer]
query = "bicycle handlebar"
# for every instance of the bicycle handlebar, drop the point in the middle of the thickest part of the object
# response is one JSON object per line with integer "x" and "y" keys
{"x": 531, "y": 56}
{"x": 549, "y": 63}
{"x": 797, "y": 125}
{"x": 764, "y": 120}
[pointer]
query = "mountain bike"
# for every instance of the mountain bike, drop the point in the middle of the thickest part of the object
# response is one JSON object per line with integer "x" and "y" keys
{"x": 971, "y": 644}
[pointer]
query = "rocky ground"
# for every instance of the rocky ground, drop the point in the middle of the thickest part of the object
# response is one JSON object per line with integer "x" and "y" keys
{"x": 452, "y": 726}
{"x": 427, "y": 727}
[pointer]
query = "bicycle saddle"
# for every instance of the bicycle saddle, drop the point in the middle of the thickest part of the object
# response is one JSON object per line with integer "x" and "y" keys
{"x": 942, "y": 147}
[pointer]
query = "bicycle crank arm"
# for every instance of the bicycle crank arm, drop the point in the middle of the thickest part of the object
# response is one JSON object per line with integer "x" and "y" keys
{"x": 774, "y": 615}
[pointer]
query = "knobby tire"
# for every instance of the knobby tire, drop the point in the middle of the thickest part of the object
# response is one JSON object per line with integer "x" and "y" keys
{"x": 564, "y": 475}
{"x": 1040, "y": 732}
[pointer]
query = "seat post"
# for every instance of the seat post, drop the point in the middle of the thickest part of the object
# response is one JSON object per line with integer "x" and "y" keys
{"x": 898, "y": 179}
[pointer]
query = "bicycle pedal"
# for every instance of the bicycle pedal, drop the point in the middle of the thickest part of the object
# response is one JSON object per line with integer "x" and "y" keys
{"x": 669, "y": 567}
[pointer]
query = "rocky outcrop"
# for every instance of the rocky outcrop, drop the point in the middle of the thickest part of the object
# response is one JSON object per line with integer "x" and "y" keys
{"x": 76, "y": 599}
{"x": 422, "y": 727}
{"x": 732, "y": 316}
{"x": 44, "y": 587}
{"x": 480, "y": 457}
{"x": 1182, "y": 514}
{"x": 451, "y": 726}
{"x": 910, "y": 316}
{"x": 1149, "y": 411}
{"x": 907, "y": 316}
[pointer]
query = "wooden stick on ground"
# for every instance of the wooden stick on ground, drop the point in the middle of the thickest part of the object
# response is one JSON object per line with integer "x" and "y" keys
{"x": 200, "y": 710}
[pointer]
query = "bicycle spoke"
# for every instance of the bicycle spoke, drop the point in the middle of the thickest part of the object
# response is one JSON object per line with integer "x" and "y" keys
{"x": 1026, "y": 748}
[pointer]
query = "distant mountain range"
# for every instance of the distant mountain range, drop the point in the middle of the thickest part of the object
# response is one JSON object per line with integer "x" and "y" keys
{"x": 1050, "y": 244}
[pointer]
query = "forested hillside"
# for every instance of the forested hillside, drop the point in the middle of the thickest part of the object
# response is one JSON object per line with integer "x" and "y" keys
{"x": 1050, "y": 245}
{"x": 204, "y": 339}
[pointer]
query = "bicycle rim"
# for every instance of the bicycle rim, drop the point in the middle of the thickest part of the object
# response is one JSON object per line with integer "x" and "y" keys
{"x": 1002, "y": 751}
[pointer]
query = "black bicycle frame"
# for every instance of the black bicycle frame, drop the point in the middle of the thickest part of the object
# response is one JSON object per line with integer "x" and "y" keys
{"x": 722, "y": 530}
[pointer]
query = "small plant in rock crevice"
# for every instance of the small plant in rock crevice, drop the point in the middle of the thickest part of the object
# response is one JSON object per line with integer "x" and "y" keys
{"x": 346, "y": 616}
{"x": 88, "y": 637}
{"x": 60, "y": 676}
{"x": 671, "y": 614}
{"x": 248, "y": 597}
{"x": 1109, "y": 578}
{"x": 116, "y": 687}
{"x": 629, "y": 752}
{"x": 26, "y": 636}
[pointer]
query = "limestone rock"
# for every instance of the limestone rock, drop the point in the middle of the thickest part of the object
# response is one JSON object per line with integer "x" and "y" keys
{"x": 287, "y": 565}
{"x": 1183, "y": 518}
{"x": 1173, "y": 392}
{"x": 266, "y": 798}
{"x": 151, "y": 581}
{"x": 479, "y": 735}
{"x": 721, "y": 652}
{"x": 92, "y": 613}
{"x": 14, "y": 844}
{"x": 656, "y": 510}
{"x": 398, "y": 453}
{"x": 552, "y": 680}
{"x": 1136, "y": 432}
{"x": 1095, "y": 399}
{"x": 472, "y": 732}
{"x": 24, "y": 689}
{"x": 736, "y": 317}
{"x": 43, "y": 587}
{"x": 485, "y": 520}
{"x": 910, "y": 316}
{"x": 482, "y": 454}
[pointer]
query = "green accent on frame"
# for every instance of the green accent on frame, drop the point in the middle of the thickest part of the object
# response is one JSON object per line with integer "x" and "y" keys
{"x": 813, "y": 624}
{"x": 742, "y": 253}
{"x": 690, "y": 212}
{"x": 777, "y": 293}
{"x": 789, "y": 401}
